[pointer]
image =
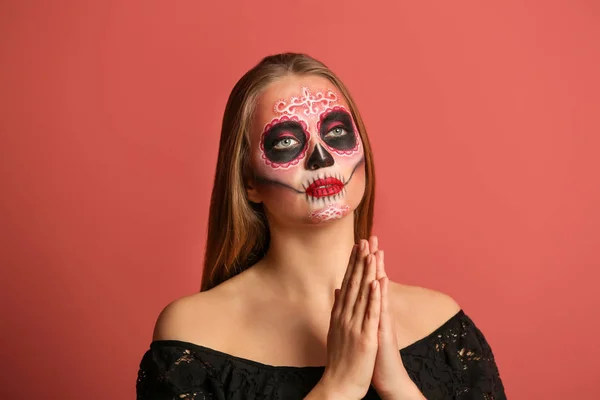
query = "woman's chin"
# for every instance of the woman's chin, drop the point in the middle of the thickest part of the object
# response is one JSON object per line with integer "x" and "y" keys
{"x": 329, "y": 212}
{"x": 297, "y": 211}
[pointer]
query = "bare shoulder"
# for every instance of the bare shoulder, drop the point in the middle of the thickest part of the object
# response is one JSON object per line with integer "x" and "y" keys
{"x": 200, "y": 318}
{"x": 432, "y": 302}
{"x": 180, "y": 316}
{"x": 419, "y": 311}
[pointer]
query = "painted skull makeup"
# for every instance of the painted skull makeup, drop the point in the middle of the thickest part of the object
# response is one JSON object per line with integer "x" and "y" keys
{"x": 284, "y": 141}
{"x": 336, "y": 128}
{"x": 310, "y": 149}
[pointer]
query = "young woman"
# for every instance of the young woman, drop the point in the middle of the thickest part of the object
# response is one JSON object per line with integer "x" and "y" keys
{"x": 295, "y": 301}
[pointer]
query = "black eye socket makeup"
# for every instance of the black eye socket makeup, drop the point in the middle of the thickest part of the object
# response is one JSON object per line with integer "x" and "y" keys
{"x": 337, "y": 130}
{"x": 284, "y": 142}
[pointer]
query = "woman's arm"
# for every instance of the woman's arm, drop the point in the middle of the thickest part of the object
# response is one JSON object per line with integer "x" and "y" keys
{"x": 174, "y": 373}
{"x": 472, "y": 355}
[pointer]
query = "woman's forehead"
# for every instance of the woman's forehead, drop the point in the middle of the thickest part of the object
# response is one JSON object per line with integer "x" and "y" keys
{"x": 292, "y": 85}
{"x": 305, "y": 96}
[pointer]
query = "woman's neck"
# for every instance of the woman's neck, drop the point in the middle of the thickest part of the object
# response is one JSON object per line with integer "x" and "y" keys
{"x": 308, "y": 261}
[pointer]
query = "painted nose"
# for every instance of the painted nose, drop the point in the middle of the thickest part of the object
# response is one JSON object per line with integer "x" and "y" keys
{"x": 320, "y": 158}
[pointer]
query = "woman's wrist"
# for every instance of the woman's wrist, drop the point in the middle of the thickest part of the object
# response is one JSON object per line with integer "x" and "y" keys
{"x": 405, "y": 394}
{"x": 324, "y": 391}
{"x": 405, "y": 390}
{"x": 417, "y": 395}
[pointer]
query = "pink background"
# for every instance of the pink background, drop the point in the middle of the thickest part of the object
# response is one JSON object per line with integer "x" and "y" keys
{"x": 484, "y": 122}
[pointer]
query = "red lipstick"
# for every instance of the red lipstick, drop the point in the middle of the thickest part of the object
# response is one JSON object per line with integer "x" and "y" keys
{"x": 325, "y": 187}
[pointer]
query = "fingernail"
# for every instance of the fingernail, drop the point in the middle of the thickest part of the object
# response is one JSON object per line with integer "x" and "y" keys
{"x": 362, "y": 244}
{"x": 369, "y": 258}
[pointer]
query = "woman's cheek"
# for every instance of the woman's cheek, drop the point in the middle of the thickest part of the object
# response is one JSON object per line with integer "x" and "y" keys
{"x": 347, "y": 163}
{"x": 290, "y": 176}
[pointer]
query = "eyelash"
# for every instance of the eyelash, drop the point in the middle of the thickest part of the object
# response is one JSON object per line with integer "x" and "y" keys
{"x": 278, "y": 141}
{"x": 337, "y": 127}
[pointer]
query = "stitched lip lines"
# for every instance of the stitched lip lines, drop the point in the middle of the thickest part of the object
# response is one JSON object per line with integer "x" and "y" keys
{"x": 322, "y": 187}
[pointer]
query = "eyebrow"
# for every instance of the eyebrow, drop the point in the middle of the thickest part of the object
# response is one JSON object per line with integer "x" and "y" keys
{"x": 285, "y": 125}
{"x": 293, "y": 127}
{"x": 337, "y": 115}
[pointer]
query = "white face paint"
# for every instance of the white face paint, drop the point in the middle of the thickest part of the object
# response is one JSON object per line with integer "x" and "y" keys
{"x": 307, "y": 154}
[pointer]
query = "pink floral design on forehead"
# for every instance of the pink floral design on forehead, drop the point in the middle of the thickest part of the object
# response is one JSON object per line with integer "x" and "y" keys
{"x": 313, "y": 104}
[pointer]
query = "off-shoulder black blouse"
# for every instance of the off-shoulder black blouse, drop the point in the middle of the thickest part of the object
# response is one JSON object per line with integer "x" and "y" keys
{"x": 453, "y": 362}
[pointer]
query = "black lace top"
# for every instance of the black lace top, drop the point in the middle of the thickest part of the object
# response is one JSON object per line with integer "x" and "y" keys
{"x": 453, "y": 362}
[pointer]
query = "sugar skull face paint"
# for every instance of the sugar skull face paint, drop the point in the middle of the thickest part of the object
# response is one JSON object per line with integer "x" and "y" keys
{"x": 284, "y": 141}
{"x": 307, "y": 155}
{"x": 337, "y": 130}
{"x": 308, "y": 104}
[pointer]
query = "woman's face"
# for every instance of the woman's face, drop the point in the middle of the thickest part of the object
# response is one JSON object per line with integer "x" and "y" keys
{"x": 306, "y": 153}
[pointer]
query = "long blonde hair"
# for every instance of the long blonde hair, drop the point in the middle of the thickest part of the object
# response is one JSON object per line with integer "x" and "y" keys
{"x": 238, "y": 233}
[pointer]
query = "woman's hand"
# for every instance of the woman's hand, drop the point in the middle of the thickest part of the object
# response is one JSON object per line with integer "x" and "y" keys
{"x": 390, "y": 379}
{"x": 352, "y": 337}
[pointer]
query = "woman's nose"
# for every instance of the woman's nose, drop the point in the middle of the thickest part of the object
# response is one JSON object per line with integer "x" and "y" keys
{"x": 319, "y": 158}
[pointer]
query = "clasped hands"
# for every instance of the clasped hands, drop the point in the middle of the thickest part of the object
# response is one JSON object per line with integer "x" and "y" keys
{"x": 362, "y": 349}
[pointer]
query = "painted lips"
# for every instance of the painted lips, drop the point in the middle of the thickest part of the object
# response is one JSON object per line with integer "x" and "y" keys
{"x": 325, "y": 187}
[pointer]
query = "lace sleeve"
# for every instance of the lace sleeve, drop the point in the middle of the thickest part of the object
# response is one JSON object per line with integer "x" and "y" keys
{"x": 472, "y": 357}
{"x": 170, "y": 373}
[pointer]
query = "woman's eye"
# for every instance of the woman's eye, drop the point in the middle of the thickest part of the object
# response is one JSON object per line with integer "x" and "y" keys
{"x": 336, "y": 132}
{"x": 286, "y": 143}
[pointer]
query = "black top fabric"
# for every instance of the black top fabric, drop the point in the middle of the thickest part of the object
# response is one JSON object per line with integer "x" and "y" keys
{"x": 453, "y": 362}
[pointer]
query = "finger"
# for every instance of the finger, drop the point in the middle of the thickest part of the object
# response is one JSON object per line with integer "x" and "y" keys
{"x": 374, "y": 244}
{"x": 385, "y": 319}
{"x": 349, "y": 270}
{"x": 363, "y": 297}
{"x": 380, "y": 265}
{"x": 353, "y": 285}
{"x": 371, "y": 320}
{"x": 335, "y": 310}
